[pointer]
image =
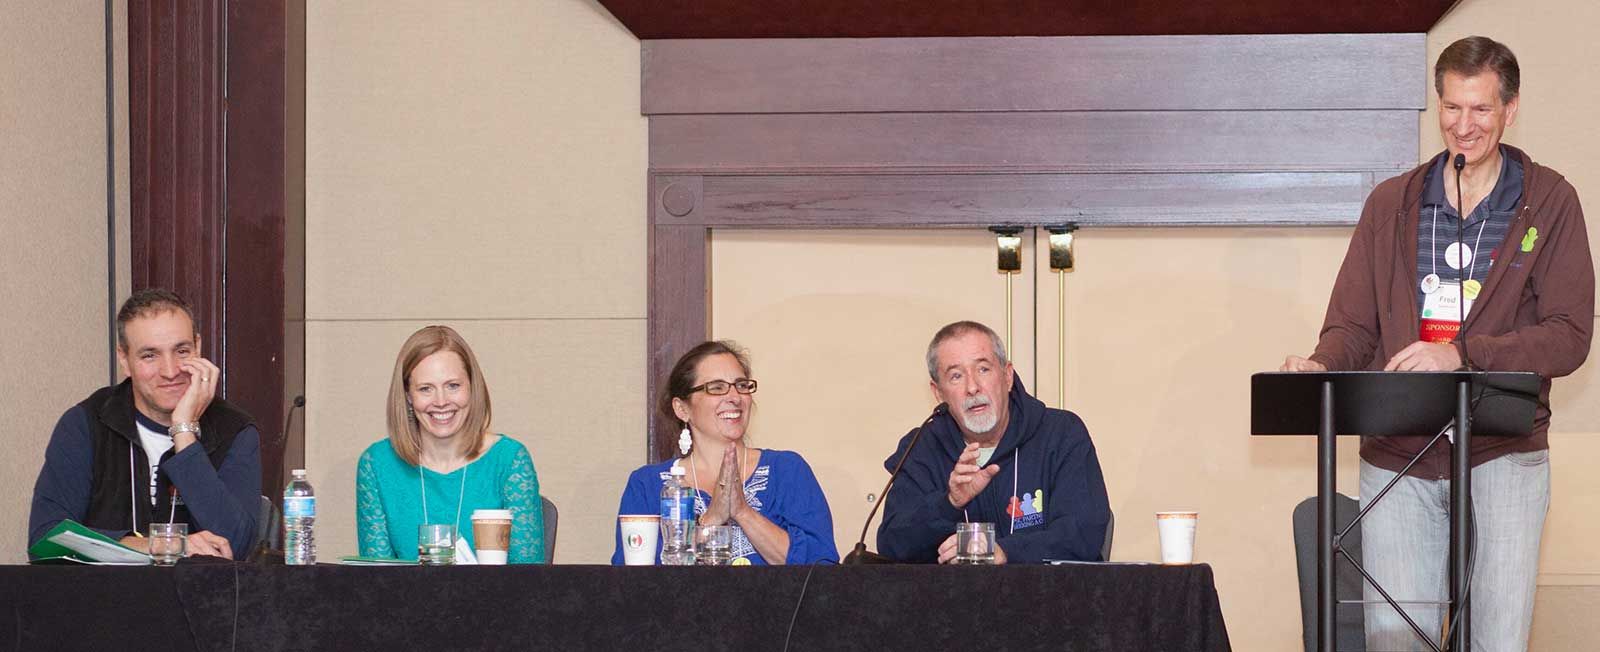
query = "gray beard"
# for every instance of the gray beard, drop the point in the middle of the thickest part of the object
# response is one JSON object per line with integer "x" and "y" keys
{"x": 982, "y": 423}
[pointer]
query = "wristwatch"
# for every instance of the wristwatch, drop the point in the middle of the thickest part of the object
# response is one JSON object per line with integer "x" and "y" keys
{"x": 190, "y": 427}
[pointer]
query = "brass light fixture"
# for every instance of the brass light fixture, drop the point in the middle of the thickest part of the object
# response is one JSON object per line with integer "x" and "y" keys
{"x": 1061, "y": 262}
{"x": 1008, "y": 241}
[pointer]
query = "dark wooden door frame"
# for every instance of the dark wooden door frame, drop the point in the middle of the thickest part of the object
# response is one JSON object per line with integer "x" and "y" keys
{"x": 960, "y": 133}
{"x": 209, "y": 185}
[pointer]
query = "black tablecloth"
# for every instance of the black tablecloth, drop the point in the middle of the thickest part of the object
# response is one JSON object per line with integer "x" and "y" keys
{"x": 226, "y": 606}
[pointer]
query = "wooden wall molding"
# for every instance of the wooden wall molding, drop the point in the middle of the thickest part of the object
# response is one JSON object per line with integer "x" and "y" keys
{"x": 176, "y": 139}
{"x": 207, "y": 134}
{"x": 743, "y": 19}
{"x": 968, "y": 133}
{"x": 982, "y": 200}
{"x": 1088, "y": 73}
{"x": 1032, "y": 142}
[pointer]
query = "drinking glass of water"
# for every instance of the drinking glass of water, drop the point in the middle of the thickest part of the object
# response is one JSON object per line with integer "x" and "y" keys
{"x": 167, "y": 541}
{"x": 436, "y": 545}
{"x": 974, "y": 543}
{"x": 713, "y": 545}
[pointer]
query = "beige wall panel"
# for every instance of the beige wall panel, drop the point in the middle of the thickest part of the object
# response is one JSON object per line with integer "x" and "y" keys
{"x": 837, "y": 324}
{"x": 570, "y": 390}
{"x": 1560, "y": 88}
{"x": 1164, "y": 329}
{"x": 53, "y": 212}
{"x": 124, "y": 210}
{"x": 452, "y": 142}
{"x": 1567, "y": 551}
{"x": 1565, "y": 619}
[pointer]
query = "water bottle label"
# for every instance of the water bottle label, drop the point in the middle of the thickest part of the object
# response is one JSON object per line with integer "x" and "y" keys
{"x": 681, "y": 509}
{"x": 300, "y": 507}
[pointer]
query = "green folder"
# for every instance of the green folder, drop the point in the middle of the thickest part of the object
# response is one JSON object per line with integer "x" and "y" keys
{"x": 70, "y": 542}
{"x": 353, "y": 560}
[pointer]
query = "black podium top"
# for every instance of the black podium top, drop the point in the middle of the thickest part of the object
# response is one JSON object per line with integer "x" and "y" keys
{"x": 1392, "y": 403}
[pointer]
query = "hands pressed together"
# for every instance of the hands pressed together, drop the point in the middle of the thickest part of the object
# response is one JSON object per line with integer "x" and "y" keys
{"x": 727, "y": 498}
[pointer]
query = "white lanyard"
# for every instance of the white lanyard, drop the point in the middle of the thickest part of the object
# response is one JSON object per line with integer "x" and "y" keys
{"x": 459, "y": 497}
{"x": 1470, "y": 261}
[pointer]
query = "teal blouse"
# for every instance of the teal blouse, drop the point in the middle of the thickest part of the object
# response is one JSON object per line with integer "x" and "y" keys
{"x": 389, "y": 500}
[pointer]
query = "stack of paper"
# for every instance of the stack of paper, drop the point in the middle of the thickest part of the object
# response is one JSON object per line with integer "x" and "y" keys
{"x": 70, "y": 541}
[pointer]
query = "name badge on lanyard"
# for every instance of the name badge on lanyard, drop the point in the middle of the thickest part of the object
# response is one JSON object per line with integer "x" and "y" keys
{"x": 1442, "y": 309}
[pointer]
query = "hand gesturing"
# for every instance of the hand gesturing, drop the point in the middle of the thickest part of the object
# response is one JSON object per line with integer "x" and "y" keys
{"x": 967, "y": 480}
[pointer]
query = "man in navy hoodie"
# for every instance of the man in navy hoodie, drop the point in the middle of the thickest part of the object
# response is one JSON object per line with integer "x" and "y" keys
{"x": 991, "y": 453}
{"x": 158, "y": 447}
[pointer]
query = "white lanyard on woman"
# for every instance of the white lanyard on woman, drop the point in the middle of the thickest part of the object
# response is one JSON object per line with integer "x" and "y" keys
{"x": 459, "y": 497}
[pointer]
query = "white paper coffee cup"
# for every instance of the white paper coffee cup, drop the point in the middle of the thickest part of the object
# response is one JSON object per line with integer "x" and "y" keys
{"x": 491, "y": 531}
{"x": 1177, "y": 536}
{"x": 639, "y": 535}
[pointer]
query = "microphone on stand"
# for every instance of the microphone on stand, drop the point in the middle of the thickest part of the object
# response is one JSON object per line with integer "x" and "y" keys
{"x": 860, "y": 555}
{"x": 1463, "y": 272}
{"x": 271, "y": 543}
{"x": 288, "y": 418}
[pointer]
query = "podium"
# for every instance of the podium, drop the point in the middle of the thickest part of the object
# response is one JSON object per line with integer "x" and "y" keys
{"x": 1391, "y": 404}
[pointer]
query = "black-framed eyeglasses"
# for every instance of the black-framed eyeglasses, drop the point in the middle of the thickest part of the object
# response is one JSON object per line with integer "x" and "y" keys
{"x": 721, "y": 387}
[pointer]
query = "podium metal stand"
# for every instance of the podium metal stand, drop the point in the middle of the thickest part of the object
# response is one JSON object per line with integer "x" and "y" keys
{"x": 1391, "y": 404}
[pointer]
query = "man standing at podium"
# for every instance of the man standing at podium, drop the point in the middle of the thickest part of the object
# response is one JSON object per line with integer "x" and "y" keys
{"x": 1518, "y": 267}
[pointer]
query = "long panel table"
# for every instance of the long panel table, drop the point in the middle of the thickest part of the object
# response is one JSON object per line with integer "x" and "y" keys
{"x": 246, "y": 606}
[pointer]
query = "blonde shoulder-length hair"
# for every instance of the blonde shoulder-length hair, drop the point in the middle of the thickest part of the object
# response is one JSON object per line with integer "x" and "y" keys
{"x": 405, "y": 434}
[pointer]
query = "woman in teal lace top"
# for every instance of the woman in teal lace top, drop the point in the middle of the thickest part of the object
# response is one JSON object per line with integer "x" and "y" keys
{"x": 440, "y": 461}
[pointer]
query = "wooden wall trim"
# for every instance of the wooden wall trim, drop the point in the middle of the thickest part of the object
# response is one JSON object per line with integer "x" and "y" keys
{"x": 981, "y": 200}
{"x": 1138, "y": 73}
{"x": 255, "y": 222}
{"x": 175, "y": 91}
{"x": 208, "y": 186}
{"x": 679, "y": 315}
{"x": 1094, "y": 141}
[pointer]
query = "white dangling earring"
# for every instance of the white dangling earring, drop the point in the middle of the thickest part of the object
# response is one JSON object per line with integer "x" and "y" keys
{"x": 684, "y": 441}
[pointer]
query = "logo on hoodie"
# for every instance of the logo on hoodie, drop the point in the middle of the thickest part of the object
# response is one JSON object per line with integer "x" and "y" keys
{"x": 1028, "y": 510}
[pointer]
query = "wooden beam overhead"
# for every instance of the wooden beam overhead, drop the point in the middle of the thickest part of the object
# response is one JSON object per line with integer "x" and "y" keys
{"x": 683, "y": 19}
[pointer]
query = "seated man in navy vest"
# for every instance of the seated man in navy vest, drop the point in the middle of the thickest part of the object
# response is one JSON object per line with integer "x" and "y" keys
{"x": 157, "y": 447}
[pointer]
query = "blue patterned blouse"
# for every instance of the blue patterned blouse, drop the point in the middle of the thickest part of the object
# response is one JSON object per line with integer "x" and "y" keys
{"x": 782, "y": 488}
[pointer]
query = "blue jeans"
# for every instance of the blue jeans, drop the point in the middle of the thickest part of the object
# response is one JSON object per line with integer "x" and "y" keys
{"x": 1405, "y": 546}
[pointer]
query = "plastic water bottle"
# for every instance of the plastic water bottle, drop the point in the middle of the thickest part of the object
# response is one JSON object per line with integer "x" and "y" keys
{"x": 299, "y": 517}
{"x": 677, "y": 520}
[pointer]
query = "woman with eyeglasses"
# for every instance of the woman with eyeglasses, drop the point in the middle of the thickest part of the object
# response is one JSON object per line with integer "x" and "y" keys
{"x": 770, "y": 497}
